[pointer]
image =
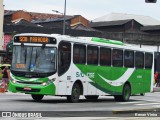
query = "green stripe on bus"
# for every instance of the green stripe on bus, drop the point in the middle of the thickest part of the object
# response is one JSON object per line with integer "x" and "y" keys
{"x": 102, "y": 40}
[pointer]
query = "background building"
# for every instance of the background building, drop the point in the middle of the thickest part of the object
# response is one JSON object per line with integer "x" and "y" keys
{"x": 139, "y": 30}
{"x": 21, "y": 21}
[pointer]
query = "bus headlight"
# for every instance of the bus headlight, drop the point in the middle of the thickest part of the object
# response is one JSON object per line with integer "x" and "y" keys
{"x": 14, "y": 81}
{"x": 53, "y": 79}
{"x": 48, "y": 82}
{"x": 44, "y": 84}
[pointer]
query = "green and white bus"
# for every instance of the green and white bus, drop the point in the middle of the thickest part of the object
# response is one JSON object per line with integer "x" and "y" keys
{"x": 60, "y": 65}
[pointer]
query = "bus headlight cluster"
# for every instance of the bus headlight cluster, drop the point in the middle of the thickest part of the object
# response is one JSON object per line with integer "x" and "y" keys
{"x": 48, "y": 82}
{"x": 14, "y": 81}
{"x": 44, "y": 84}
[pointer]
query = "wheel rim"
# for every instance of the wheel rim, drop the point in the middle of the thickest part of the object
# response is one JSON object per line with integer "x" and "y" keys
{"x": 75, "y": 93}
{"x": 127, "y": 93}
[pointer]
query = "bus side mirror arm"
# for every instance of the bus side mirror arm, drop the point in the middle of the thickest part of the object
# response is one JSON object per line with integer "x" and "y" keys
{"x": 43, "y": 46}
{"x": 22, "y": 44}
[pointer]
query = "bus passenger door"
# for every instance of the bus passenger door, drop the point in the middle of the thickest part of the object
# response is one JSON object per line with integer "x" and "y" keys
{"x": 64, "y": 61}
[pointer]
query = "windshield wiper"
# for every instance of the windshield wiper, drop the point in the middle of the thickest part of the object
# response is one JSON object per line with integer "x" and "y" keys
{"x": 25, "y": 56}
{"x": 36, "y": 74}
{"x": 36, "y": 56}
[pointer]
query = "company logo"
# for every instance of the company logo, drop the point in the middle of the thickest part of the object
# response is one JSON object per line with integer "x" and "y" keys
{"x": 90, "y": 75}
{"x": 80, "y": 74}
{"x": 6, "y": 114}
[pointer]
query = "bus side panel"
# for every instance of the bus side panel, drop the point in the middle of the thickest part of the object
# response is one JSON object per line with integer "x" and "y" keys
{"x": 118, "y": 74}
{"x": 147, "y": 81}
{"x": 62, "y": 85}
{"x": 102, "y": 86}
{"x": 88, "y": 72}
{"x": 91, "y": 71}
{"x": 77, "y": 74}
{"x": 136, "y": 80}
{"x": 107, "y": 80}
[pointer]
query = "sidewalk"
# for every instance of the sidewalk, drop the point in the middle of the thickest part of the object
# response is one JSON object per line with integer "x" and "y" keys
{"x": 156, "y": 89}
{"x": 1, "y": 87}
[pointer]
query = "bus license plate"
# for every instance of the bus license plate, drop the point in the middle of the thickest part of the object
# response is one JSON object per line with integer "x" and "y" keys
{"x": 27, "y": 88}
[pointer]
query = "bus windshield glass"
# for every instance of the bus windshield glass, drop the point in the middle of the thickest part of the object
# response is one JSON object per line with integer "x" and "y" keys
{"x": 34, "y": 59}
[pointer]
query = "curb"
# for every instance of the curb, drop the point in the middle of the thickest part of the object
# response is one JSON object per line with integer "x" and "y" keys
{"x": 156, "y": 89}
{"x": 123, "y": 111}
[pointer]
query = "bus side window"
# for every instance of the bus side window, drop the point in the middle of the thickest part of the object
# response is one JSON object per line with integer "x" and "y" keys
{"x": 64, "y": 57}
{"x": 105, "y": 56}
{"x": 92, "y": 55}
{"x": 76, "y": 54}
{"x": 128, "y": 58}
{"x": 139, "y": 60}
{"x": 117, "y": 57}
{"x": 79, "y": 54}
{"x": 148, "y": 60}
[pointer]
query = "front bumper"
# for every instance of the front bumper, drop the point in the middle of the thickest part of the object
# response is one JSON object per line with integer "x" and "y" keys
{"x": 32, "y": 89}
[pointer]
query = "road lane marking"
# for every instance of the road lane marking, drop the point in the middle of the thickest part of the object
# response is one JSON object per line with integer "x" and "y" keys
{"x": 148, "y": 104}
{"x": 129, "y": 102}
{"x": 156, "y": 106}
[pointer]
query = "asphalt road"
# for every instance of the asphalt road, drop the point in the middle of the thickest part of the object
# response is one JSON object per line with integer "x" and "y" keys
{"x": 52, "y": 106}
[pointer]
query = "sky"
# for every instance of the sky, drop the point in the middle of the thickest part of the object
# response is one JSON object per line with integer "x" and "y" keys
{"x": 90, "y": 9}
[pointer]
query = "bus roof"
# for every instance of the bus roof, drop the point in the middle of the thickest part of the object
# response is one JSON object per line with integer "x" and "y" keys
{"x": 89, "y": 40}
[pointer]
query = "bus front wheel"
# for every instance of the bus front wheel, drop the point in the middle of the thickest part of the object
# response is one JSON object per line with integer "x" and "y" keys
{"x": 74, "y": 97}
{"x": 37, "y": 97}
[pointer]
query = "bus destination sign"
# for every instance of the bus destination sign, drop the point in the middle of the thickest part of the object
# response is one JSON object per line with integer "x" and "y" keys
{"x": 34, "y": 39}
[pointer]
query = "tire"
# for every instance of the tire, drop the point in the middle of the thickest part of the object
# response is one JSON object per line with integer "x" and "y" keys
{"x": 125, "y": 94}
{"x": 37, "y": 97}
{"x": 91, "y": 97}
{"x": 142, "y": 94}
{"x": 74, "y": 97}
{"x": 117, "y": 98}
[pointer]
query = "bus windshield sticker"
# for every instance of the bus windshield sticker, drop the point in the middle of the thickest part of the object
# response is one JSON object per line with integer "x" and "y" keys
{"x": 18, "y": 65}
{"x": 52, "y": 51}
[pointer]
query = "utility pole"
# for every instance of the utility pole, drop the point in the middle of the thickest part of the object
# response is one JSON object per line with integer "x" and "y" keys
{"x": 64, "y": 19}
{"x": 1, "y": 24}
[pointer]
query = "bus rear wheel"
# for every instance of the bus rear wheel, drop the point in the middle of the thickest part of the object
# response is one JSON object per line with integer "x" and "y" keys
{"x": 74, "y": 97}
{"x": 142, "y": 94}
{"x": 91, "y": 97}
{"x": 125, "y": 94}
{"x": 37, "y": 97}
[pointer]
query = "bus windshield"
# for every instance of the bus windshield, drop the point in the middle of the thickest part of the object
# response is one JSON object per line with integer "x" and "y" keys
{"x": 28, "y": 59}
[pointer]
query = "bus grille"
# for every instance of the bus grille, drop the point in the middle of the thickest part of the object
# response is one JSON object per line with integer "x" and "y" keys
{"x": 24, "y": 82}
{"x": 32, "y": 90}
